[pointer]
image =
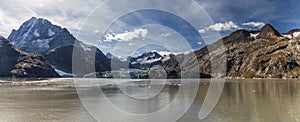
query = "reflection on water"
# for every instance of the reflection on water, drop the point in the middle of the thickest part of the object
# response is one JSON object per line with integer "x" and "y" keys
{"x": 141, "y": 106}
{"x": 241, "y": 101}
{"x": 253, "y": 101}
{"x": 40, "y": 104}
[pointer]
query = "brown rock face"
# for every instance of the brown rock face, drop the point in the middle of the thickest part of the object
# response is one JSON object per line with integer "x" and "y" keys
{"x": 33, "y": 66}
{"x": 239, "y": 36}
{"x": 269, "y": 32}
{"x": 269, "y": 55}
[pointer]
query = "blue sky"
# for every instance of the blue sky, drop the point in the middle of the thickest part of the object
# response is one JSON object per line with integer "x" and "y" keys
{"x": 283, "y": 14}
{"x": 89, "y": 20}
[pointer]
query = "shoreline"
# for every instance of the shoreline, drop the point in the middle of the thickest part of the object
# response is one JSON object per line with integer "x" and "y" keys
{"x": 81, "y": 82}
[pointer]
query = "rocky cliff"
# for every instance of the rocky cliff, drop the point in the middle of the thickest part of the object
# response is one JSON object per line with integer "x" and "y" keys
{"x": 15, "y": 63}
{"x": 257, "y": 54}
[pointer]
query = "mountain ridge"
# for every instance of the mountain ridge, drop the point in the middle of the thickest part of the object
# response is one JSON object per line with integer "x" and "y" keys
{"x": 16, "y": 63}
{"x": 249, "y": 54}
{"x": 268, "y": 55}
{"x": 56, "y": 44}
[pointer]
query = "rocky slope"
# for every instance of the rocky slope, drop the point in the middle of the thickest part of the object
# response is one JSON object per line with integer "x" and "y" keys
{"x": 56, "y": 44}
{"x": 257, "y": 54}
{"x": 15, "y": 63}
{"x": 246, "y": 54}
{"x": 62, "y": 58}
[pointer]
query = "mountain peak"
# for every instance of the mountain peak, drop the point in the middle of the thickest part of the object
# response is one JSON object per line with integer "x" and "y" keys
{"x": 38, "y": 19}
{"x": 34, "y": 20}
{"x": 268, "y": 32}
{"x": 237, "y": 37}
{"x": 293, "y": 31}
{"x": 109, "y": 55}
{"x": 40, "y": 35}
{"x": 269, "y": 27}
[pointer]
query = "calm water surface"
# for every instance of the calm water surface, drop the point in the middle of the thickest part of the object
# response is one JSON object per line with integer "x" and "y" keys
{"x": 241, "y": 101}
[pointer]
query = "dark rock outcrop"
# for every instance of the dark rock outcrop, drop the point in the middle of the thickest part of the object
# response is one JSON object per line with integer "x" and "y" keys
{"x": 239, "y": 36}
{"x": 15, "y": 63}
{"x": 62, "y": 58}
{"x": 33, "y": 66}
{"x": 9, "y": 57}
{"x": 293, "y": 31}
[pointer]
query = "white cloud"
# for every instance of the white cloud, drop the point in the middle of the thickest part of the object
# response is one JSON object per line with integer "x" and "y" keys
{"x": 59, "y": 12}
{"x": 165, "y": 35}
{"x": 87, "y": 19}
{"x": 126, "y": 36}
{"x": 202, "y": 30}
{"x": 254, "y": 24}
{"x": 220, "y": 27}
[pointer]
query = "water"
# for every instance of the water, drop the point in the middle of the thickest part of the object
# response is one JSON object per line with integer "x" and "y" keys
{"x": 241, "y": 100}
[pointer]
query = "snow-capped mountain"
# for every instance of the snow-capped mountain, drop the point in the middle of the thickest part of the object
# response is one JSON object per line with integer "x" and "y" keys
{"x": 293, "y": 33}
{"x": 149, "y": 59}
{"x": 111, "y": 56}
{"x": 56, "y": 44}
{"x": 40, "y": 35}
{"x": 146, "y": 58}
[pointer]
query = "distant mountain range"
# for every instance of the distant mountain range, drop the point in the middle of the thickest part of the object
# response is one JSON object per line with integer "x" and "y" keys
{"x": 265, "y": 53}
{"x": 39, "y": 48}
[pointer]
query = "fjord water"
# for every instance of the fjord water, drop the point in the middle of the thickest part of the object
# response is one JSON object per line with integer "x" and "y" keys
{"x": 241, "y": 101}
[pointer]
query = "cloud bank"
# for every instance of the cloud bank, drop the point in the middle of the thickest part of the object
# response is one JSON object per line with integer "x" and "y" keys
{"x": 71, "y": 14}
{"x": 126, "y": 36}
{"x": 66, "y": 13}
{"x": 254, "y": 24}
{"x": 220, "y": 27}
{"x": 230, "y": 25}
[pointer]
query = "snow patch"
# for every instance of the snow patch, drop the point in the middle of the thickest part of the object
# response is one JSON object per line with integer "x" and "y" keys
{"x": 42, "y": 43}
{"x": 150, "y": 61}
{"x": 293, "y": 35}
{"x": 296, "y": 34}
{"x": 63, "y": 74}
{"x": 254, "y": 35}
{"x": 85, "y": 47}
{"x": 50, "y": 32}
{"x": 287, "y": 36}
{"x": 31, "y": 24}
{"x": 36, "y": 33}
{"x": 164, "y": 56}
{"x": 165, "y": 53}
